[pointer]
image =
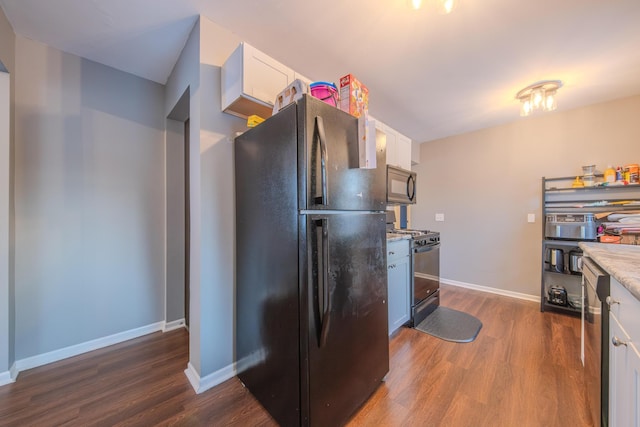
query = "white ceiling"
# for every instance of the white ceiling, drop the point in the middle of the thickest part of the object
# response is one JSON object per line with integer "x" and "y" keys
{"x": 429, "y": 75}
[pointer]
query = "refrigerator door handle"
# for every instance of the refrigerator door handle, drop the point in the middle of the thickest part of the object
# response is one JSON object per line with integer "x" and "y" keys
{"x": 324, "y": 200}
{"x": 326, "y": 299}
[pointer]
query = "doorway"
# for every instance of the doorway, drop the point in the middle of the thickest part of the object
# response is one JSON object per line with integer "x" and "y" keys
{"x": 177, "y": 187}
{"x": 187, "y": 223}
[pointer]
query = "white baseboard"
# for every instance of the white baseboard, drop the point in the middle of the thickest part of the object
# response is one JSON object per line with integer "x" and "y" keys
{"x": 5, "y": 378}
{"x": 13, "y": 372}
{"x": 511, "y": 294}
{"x": 74, "y": 350}
{"x": 176, "y": 324}
{"x": 205, "y": 383}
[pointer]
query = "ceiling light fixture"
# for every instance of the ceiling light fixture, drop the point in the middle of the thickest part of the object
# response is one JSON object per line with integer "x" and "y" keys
{"x": 539, "y": 96}
{"x": 444, "y": 6}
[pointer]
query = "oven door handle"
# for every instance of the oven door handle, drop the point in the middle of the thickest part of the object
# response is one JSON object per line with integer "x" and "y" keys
{"x": 421, "y": 249}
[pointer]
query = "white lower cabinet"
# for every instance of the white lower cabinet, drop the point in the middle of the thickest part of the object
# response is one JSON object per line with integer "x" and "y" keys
{"x": 399, "y": 283}
{"x": 624, "y": 359}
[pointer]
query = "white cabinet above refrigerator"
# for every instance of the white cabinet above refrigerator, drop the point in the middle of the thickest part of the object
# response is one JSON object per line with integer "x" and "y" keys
{"x": 251, "y": 80}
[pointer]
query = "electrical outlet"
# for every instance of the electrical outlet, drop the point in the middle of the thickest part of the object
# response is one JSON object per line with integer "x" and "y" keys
{"x": 531, "y": 217}
{"x": 439, "y": 217}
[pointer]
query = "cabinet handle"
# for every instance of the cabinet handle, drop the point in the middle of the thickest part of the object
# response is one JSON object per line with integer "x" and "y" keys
{"x": 617, "y": 343}
{"x": 610, "y": 301}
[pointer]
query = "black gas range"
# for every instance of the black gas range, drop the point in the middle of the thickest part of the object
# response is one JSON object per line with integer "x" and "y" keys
{"x": 425, "y": 255}
{"x": 419, "y": 237}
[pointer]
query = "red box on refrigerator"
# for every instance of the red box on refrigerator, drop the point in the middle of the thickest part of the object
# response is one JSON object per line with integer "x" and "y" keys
{"x": 354, "y": 96}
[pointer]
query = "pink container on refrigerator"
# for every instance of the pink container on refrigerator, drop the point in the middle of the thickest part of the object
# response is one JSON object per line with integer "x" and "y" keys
{"x": 325, "y": 91}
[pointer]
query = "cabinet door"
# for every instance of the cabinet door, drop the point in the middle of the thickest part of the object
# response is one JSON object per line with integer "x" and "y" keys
{"x": 392, "y": 146}
{"x": 264, "y": 77}
{"x": 634, "y": 378}
{"x": 399, "y": 282}
{"x": 251, "y": 81}
{"x": 624, "y": 378}
{"x": 304, "y": 79}
{"x": 404, "y": 151}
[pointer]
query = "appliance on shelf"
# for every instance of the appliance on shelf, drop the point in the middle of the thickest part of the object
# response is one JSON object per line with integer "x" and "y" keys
{"x": 558, "y": 295}
{"x": 555, "y": 260}
{"x": 311, "y": 281}
{"x": 572, "y": 226}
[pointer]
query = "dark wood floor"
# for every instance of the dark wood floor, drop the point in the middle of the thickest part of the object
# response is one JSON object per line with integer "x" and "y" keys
{"x": 522, "y": 370}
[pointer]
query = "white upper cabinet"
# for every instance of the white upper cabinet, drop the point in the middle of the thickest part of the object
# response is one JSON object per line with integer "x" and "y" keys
{"x": 404, "y": 151}
{"x": 392, "y": 146}
{"x": 415, "y": 153}
{"x": 251, "y": 80}
{"x": 302, "y": 78}
{"x": 398, "y": 147}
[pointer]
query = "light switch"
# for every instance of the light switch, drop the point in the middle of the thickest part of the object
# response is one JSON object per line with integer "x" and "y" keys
{"x": 531, "y": 217}
{"x": 439, "y": 217}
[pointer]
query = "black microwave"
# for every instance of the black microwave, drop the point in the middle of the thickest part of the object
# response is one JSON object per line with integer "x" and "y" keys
{"x": 401, "y": 186}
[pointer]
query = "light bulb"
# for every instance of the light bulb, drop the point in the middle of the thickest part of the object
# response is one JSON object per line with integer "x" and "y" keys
{"x": 416, "y": 4}
{"x": 536, "y": 97}
{"x": 550, "y": 103}
{"x": 447, "y": 6}
{"x": 525, "y": 110}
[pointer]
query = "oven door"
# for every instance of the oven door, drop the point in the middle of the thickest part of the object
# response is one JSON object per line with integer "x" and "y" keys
{"x": 426, "y": 282}
{"x": 426, "y": 274}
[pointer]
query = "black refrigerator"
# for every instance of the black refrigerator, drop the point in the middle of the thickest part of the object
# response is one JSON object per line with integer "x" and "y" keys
{"x": 311, "y": 281}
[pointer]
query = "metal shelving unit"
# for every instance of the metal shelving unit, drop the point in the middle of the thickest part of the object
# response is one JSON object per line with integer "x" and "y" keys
{"x": 559, "y": 197}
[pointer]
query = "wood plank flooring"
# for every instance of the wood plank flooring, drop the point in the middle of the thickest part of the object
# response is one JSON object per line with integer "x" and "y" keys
{"x": 522, "y": 370}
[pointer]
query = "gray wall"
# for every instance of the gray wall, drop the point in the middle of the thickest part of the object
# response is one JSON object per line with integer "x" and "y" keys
{"x": 486, "y": 182}
{"x": 7, "y": 54}
{"x": 217, "y": 200}
{"x": 211, "y": 193}
{"x": 186, "y": 76}
{"x": 89, "y": 200}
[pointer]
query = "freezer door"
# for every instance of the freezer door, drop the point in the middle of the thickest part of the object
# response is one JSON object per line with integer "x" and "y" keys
{"x": 330, "y": 178}
{"x": 345, "y": 291}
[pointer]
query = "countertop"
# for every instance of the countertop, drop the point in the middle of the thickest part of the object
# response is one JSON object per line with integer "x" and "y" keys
{"x": 621, "y": 261}
{"x": 391, "y": 237}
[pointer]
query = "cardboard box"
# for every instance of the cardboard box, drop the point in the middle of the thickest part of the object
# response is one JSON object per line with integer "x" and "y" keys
{"x": 290, "y": 94}
{"x": 354, "y": 96}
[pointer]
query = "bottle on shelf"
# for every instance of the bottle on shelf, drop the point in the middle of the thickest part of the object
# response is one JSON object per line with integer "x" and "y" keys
{"x": 619, "y": 174}
{"x": 610, "y": 174}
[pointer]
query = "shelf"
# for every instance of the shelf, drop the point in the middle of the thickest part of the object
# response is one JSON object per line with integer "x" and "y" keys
{"x": 564, "y": 242}
{"x": 562, "y": 308}
{"x": 577, "y": 275}
{"x": 559, "y": 197}
{"x": 594, "y": 187}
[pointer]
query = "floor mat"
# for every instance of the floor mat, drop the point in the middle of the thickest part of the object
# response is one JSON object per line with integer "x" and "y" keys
{"x": 451, "y": 325}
